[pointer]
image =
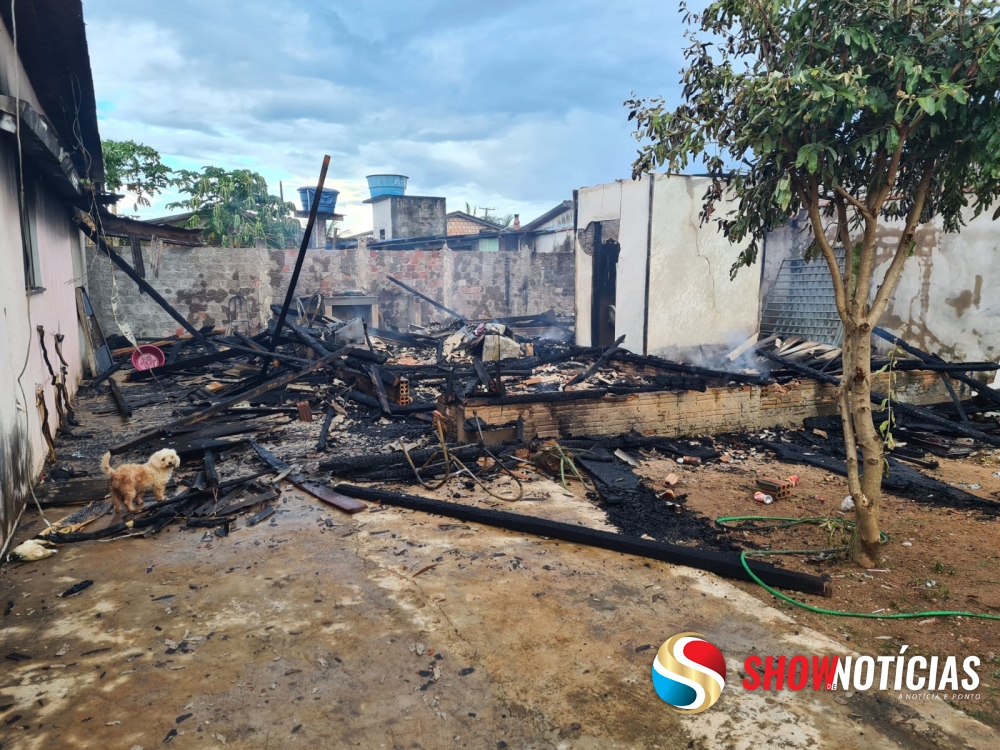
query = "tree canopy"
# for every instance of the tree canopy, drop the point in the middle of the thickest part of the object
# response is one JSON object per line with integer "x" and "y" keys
{"x": 234, "y": 208}
{"x": 136, "y": 168}
{"x": 855, "y": 113}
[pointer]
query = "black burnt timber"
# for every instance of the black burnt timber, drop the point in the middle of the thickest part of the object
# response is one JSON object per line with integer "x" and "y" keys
{"x": 383, "y": 397}
{"x": 981, "y": 388}
{"x": 364, "y": 355}
{"x": 201, "y": 494}
{"x": 85, "y": 223}
{"x": 308, "y": 339}
{"x": 954, "y": 399}
{"x": 701, "y": 372}
{"x": 80, "y": 492}
{"x": 260, "y": 390}
{"x": 598, "y": 364}
{"x": 176, "y": 349}
{"x": 932, "y": 366}
{"x": 902, "y": 480}
{"x": 325, "y": 429}
{"x": 303, "y": 247}
{"x": 481, "y": 373}
{"x": 545, "y": 397}
{"x": 360, "y": 466}
{"x": 721, "y": 563}
{"x": 908, "y": 410}
{"x": 211, "y": 472}
{"x": 406, "y": 339}
{"x": 425, "y": 298}
{"x": 119, "y": 399}
{"x": 395, "y": 410}
{"x": 185, "y": 364}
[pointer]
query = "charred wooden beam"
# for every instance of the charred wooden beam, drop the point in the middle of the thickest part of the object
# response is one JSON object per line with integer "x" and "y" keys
{"x": 598, "y": 364}
{"x": 981, "y": 388}
{"x": 425, "y": 298}
{"x": 119, "y": 399}
{"x": 86, "y": 224}
{"x": 325, "y": 429}
{"x": 721, "y": 563}
{"x": 954, "y": 399}
{"x": 415, "y": 407}
{"x": 211, "y": 472}
{"x": 383, "y": 397}
{"x": 306, "y": 236}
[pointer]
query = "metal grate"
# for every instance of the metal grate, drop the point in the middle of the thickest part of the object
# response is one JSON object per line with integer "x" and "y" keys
{"x": 801, "y": 303}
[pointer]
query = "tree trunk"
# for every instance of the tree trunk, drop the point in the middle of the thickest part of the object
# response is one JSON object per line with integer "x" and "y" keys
{"x": 864, "y": 480}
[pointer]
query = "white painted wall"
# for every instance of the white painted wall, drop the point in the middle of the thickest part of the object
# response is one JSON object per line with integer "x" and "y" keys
{"x": 22, "y": 447}
{"x": 692, "y": 301}
{"x": 382, "y": 219}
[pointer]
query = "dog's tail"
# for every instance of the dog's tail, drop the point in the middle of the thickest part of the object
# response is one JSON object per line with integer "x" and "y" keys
{"x": 106, "y": 463}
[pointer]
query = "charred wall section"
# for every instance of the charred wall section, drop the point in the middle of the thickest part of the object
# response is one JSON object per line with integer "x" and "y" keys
{"x": 199, "y": 282}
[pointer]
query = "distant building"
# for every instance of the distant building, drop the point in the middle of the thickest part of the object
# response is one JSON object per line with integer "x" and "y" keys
{"x": 459, "y": 222}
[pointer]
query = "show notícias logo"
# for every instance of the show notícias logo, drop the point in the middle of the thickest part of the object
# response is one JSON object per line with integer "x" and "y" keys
{"x": 897, "y": 672}
{"x": 689, "y": 674}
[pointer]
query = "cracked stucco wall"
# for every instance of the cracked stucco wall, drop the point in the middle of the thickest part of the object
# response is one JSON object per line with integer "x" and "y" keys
{"x": 692, "y": 301}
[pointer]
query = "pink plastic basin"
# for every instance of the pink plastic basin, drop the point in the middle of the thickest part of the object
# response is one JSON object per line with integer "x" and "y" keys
{"x": 147, "y": 357}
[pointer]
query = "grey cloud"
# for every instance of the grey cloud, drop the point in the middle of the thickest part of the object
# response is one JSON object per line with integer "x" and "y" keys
{"x": 517, "y": 103}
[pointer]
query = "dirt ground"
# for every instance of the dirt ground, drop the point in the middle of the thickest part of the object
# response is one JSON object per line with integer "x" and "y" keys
{"x": 395, "y": 629}
{"x": 936, "y": 559}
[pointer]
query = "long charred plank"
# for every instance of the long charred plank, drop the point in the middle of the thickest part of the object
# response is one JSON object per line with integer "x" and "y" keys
{"x": 722, "y": 563}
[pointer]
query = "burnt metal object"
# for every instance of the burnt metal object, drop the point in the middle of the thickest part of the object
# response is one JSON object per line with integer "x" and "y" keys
{"x": 319, "y": 491}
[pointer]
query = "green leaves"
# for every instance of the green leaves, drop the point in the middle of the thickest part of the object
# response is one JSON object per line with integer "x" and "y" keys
{"x": 135, "y": 168}
{"x": 234, "y": 208}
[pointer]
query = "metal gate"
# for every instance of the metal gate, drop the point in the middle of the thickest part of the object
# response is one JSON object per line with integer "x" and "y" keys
{"x": 801, "y": 303}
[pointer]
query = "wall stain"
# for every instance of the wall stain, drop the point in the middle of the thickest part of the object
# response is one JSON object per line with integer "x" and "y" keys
{"x": 16, "y": 474}
{"x": 961, "y": 303}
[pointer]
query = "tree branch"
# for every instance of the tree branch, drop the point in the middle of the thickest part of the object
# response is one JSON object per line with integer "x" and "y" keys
{"x": 903, "y": 248}
{"x": 862, "y": 208}
{"x": 811, "y": 201}
{"x": 844, "y": 231}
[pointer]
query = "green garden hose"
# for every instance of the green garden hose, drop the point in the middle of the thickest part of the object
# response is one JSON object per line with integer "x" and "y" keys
{"x": 788, "y": 522}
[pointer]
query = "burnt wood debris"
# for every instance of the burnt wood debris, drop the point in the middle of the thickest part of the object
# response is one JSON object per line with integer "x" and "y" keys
{"x": 355, "y": 420}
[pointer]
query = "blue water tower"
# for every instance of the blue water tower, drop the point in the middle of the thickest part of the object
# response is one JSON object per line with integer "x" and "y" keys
{"x": 327, "y": 202}
{"x": 387, "y": 184}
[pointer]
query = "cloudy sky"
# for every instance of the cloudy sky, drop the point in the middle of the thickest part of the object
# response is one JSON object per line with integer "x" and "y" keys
{"x": 509, "y": 104}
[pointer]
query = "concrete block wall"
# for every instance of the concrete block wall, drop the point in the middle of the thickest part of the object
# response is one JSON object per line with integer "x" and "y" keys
{"x": 200, "y": 281}
{"x": 197, "y": 281}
